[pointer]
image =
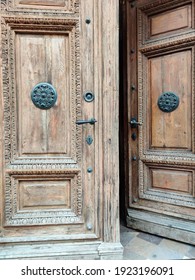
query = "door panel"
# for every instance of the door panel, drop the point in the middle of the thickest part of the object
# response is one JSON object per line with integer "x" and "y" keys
{"x": 172, "y": 180}
{"x": 42, "y": 140}
{"x": 163, "y": 166}
{"x": 44, "y": 179}
{"x": 173, "y": 20}
{"x": 63, "y": 5}
{"x": 174, "y": 130}
{"x": 42, "y": 131}
{"x": 43, "y": 194}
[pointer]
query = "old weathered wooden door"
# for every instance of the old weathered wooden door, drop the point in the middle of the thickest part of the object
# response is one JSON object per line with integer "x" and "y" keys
{"x": 59, "y": 179}
{"x": 161, "y": 116}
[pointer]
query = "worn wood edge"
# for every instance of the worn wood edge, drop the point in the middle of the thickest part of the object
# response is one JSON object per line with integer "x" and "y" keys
{"x": 87, "y": 250}
{"x": 50, "y": 238}
{"x": 50, "y": 250}
{"x": 162, "y": 225}
{"x": 110, "y": 124}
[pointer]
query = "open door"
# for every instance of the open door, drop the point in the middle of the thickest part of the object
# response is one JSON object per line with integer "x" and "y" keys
{"x": 58, "y": 163}
{"x": 161, "y": 117}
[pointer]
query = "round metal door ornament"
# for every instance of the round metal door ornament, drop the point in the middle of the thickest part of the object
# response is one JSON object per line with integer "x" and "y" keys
{"x": 44, "y": 96}
{"x": 168, "y": 102}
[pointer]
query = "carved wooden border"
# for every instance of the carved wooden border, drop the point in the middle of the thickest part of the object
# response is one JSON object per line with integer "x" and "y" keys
{"x": 161, "y": 5}
{"x": 182, "y": 41}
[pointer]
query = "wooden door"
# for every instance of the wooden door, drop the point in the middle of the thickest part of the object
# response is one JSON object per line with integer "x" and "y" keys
{"x": 161, "y": 135}
{"x": 55, "y": 189}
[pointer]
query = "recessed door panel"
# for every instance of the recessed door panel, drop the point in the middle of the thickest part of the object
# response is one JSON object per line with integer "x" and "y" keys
{"x": 63, "y": 5}
{"x": 172, "y": 180}
{"x": 171, "y": 21}
{"x": 44, "y": 58}
{"x": 171, "y": 73}
{"x": 44, "y": 195}
{"x": 43, "y": 2}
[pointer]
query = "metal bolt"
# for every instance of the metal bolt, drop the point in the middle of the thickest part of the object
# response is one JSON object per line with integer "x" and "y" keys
{"x": 89, "y": 226}
{"x": 133, "y": 87}
{"x": 88, "y": 21}
{"x": 89, "y": 170}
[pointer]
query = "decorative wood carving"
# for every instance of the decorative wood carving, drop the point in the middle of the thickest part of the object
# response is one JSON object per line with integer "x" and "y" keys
{"x": 160, "y": 5}
{"x": 168, "y": 44}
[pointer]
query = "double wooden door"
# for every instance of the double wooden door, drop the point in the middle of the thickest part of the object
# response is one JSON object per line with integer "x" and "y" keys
{"x": 58, "y": 140}
{"x": 160, "y": 79}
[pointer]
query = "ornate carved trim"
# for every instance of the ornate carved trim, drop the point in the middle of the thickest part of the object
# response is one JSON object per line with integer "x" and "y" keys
{"x": 30, "y": 161}
{"x": 47, "y": 22}
{"x": 6, "y": 90}
{"x": 3, "y": 4}
{"x": 60, "y": 170}
{"x": 168, "y": 44}
{"x": 169, "y": 159}
{"x": 160, "y": 5}
{"x": 171, "y": 198}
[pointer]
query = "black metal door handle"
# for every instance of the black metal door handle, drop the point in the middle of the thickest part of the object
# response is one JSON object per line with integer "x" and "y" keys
{"x": 134, "y": 123}
{"x": 91, "y": 121}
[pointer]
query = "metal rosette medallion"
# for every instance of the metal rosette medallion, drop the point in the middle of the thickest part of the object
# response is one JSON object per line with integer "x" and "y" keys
{"x": 168, "y": 102}
{"x": 44, "y": 96}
